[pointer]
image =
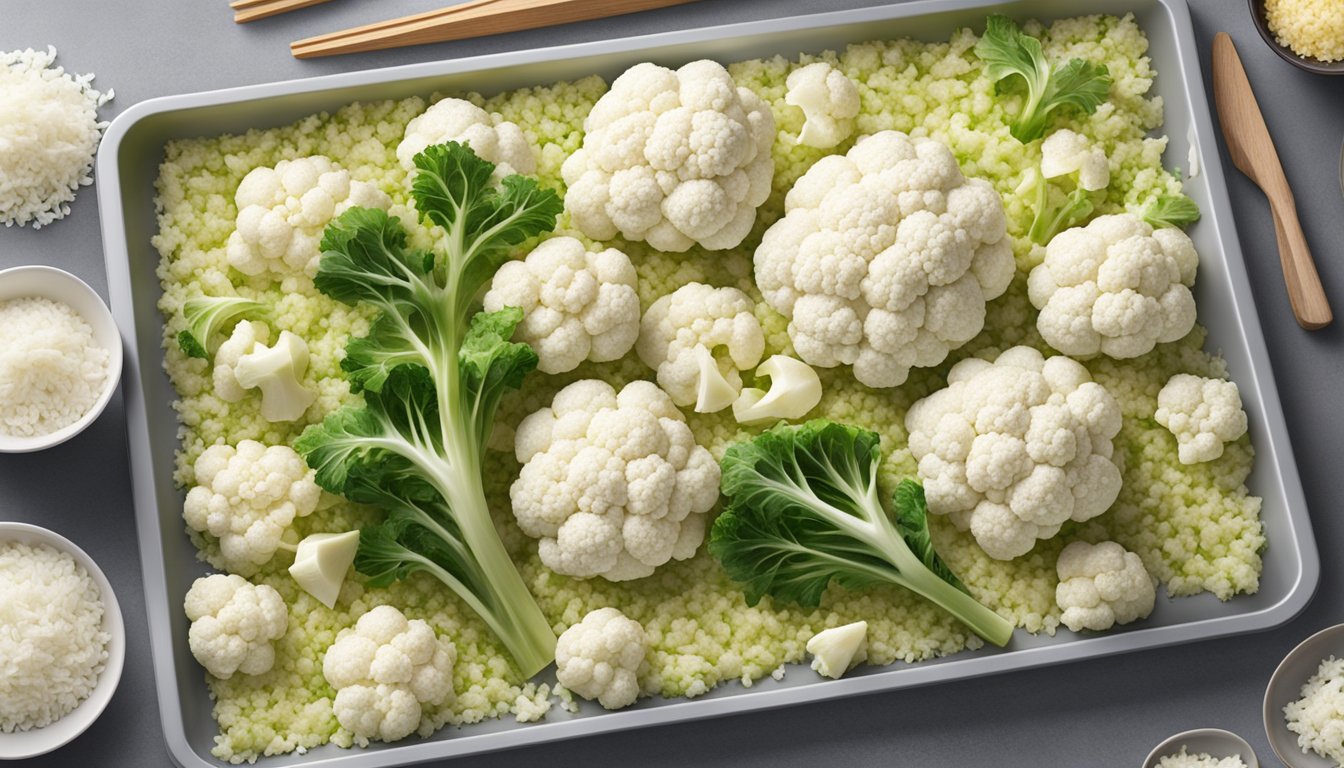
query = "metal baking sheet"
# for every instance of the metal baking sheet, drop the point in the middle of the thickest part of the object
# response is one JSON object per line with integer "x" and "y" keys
{"x": 127, "y": 165}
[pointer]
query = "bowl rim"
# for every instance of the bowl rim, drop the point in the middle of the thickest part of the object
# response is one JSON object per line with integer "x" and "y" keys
{"x": 86, "y": 712}
{"x": 1272, "y": 714}
{"x": 1175, "y": 741}
{"x": 104, "y": 319}
{"x": 1315, "y": 66}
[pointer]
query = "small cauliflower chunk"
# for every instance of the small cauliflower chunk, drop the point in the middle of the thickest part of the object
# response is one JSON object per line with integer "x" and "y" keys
{"x": 1065, "y": 152}
{"x": 385, "y": 670}
{"x": 1202, "y": 413}
{"x": 837, "y": 650}
{"x": 278, "y": 372}
{"x": 673, "y": 158}
{"x": 490, "y": 136}
{"x": 696, "y": 317}
{"x": 247, "y": 497}
{"x": 600, "y": 658}
{"x": 829, "y": 100}
{"x": 577, "y": 305}
{"x": 282, "y": 212}
{"x": 1015, "y": 448}
{"x": 795, "y": 389}
{"x": 247, "y": 334}
{"x": 613, "y": 485}
{"x": 1114, "y": 287}
{"x": 1101, "y": 585}
{"x": 321, "y": 562}
{"x": 885, "y": 258}
{"x": 234, "y": 624}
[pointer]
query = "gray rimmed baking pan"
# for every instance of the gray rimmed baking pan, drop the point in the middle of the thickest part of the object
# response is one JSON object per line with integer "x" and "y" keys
{"x": 128, "y": 162}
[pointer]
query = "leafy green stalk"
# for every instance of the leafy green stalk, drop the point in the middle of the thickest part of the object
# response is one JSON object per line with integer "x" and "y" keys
{"x": 1077, "y": 83}
{"x": 803, "y": 511}
{"x": 1056, "y": 210}
{"x": 1171, "y": 211}
{"x": 209, "y": 316}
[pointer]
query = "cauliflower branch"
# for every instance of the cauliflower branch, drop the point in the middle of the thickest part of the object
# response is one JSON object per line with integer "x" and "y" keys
{"x": 1102, "y": 585}
{"x": 491, "y": 137}
{"x": 601, "y": 656}
{"x": 234, "y": 624}
{"x": 1202, "y": 413}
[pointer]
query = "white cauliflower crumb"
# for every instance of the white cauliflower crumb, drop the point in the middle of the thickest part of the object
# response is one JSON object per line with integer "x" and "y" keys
{"x": 234, "y": 624}
{"x": 491, "y": 137}
{"x": 1203, "y": 414}
{"x": 533, "y": 703}
{"x": 829, "y": 100}
{"x": 1101, "y": 585}
{"x": 600, "y": 658}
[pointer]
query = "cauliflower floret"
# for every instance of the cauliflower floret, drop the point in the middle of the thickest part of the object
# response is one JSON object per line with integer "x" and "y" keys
{"x": 247, "y": 334}
{"x": 234, "y": 624}
{"x": 385, "y": 670}
{"x": 490, "y": 136}
{"x": 1102, "y": 585}
{"x": 673, "y": 158}
{"x": 885, "y": 258}
{"x": 680, "y": 327}
{"x": 1115, "y": 286}
{"x": 829, "y": 100}
{"x": 600, "y": 658}
{"x": 282, "y": 212}
{"x": 1202, "y": 413}
{"x": 247, "y": 497}
{"x": 577, "y": 305}
{"x": 1064, "y": 152}
{"x": 613, "y": 485}
{"x": 1014, "y": 448}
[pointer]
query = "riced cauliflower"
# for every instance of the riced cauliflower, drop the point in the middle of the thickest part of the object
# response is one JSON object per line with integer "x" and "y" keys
{"x": 1317, "y": 716}
{"x": 1101, "y": 585}
{"x": 1015, "y": 448}
{"x": 234, "y": 624}
{"x": 577, "y": 304}
{"x": 828, "y": 98}
{"x": 600, "y": 658}
{"x": 613, "y": 484}
{"x": 1184, "y": 759}
{"x": 676, "y": 158}
{"x": 1203, "y": 414}
{"x": 885, "y": 258}
{"x": 489, "y": 136}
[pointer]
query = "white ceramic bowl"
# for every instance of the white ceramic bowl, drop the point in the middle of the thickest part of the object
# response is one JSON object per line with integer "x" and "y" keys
{"x": 1214, "y": 742}
{"x": 1285, "y": 685}
{"x": 59, "y": 285}
{"x": 24, "y": 744}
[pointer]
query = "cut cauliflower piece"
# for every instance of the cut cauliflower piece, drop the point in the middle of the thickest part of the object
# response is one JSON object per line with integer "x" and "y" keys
{"x": 577, "y": 305}
{"x": 386, "y": 670}
{"x": 490, "y": 136}
{"x": 247, "y": 497}
{"x": 885, "y": 258}
{"x": 613, "y": 485}
{"x": 600, "y": 658}
{"x": 234, "y": 624}
{"x": 829, "y": 100}
{"x": 1014, "y": 448}
{"x": 795, "y": 389}
{"x": 282, "y": 212}
{"x": 673, "y": 158}
{"x": 321, "y": 562}
{"x": 1202, "y": 413}
{"x": 1065, "y": 152}
{"x": 720, "y": 320}
{"x": 1101, "y": 585}
{"x": 838, "y": 649}
{"x": 1114, "y": 287}
{"x": 278, "y": 372}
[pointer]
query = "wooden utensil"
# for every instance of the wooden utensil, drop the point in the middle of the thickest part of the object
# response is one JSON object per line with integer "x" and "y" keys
{"x": 474, "y": 18}
{"x": 1252, "y": 151}
{"x": 251, "y": 10}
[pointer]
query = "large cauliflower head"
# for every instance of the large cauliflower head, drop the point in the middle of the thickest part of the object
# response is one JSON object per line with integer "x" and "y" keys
{"x": 490, "y": 136}
{"x": 885, "y": 258}
{"x": 1101, "y": 585}
{"x": 577, "y": 305}
{"x": 282, "y": 212}
{"x": 1202, "y": 413}
{"x": 1014, "y": 448}
{"x": 613, "y": 485}
{"x": 1114, "y": 287}
{"x": 247, "y": 497}
{"x": 234, "y": 624}
{"x": 599, "y": 658}
{"x": 674, "y": 158}
{"x": 386, "y": 670}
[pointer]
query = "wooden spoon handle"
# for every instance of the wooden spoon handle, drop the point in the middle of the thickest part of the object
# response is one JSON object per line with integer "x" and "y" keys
{"x": 1305, "y": 293}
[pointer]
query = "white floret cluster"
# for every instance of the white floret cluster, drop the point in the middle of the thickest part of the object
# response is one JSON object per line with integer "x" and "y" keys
{"x": 234, "y": 624}
{"x": 828, "y": 99}
{"x": 601, "y": 656}
{"x": 1101, "y": 585}
{"x": 489, "y": 136}
{"x": 1203, "y": 414}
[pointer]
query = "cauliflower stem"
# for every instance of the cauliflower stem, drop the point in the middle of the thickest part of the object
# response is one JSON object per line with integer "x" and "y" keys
{"x": 208, "y": 316}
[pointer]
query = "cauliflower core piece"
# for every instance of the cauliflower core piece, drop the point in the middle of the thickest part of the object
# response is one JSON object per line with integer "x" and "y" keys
{"x": 234, "y": 624}
{"x": 600, "y": 657}
{"x": 795, "y": 389}
{"x": 1202, "y": 413}
{"x": 720, "y": 320}
{"x": 577, "y": 305}
{"x": 613, "y": 485}
{"x": 1014, "y": 448}
{"x": 673, "y": 158}
{"x": 1102, "y": 585}
{"x": 829, "y": 100}
{"x": 385, "y": 670}
{"x": 490, "y": 136}
{"x": 282, "y": 212}
{"x": 1114, "y": 287}
{"x": 246, "y": 497}
{"x": 885, "y": 258}
{"x": 838, "y": 649}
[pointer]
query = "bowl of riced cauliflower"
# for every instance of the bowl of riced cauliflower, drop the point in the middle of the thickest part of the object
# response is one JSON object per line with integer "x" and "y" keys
{"x": 778, "y": 379}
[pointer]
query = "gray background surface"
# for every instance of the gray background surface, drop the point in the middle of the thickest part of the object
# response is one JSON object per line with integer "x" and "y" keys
{"x": 1106, "y": 712}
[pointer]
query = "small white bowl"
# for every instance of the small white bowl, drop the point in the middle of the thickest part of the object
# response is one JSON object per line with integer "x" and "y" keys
{"x": 24, "y": 744}
{"x": 59, "y": 285}
{"x": 1285, "y": 686}
{"x": 1210, "y": 741}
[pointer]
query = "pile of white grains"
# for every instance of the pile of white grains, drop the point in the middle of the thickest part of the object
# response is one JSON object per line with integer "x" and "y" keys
{"x": 49, "y": 131}
{"x": 1318, "y": 717}
{"x": 51, "y": 370}
{"x": 1184, "y": 759}
{"x": 1312, "y": 28}
{"x": 52, "y": 643}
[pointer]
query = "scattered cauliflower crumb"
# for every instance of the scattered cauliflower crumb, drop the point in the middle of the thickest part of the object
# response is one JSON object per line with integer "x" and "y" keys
{"x": 1317, "y": 717}
{"x": 1101, "y": 585}
{"x": 234, "y": 624}
{"x": 533, "y": 703}
{"x": 829, "y": 100}
{"x": 489, "y": 136}
{"x": 1184, "y": 759}
{"x": 1203, "y": 414}
{"x": 600, "y": 658}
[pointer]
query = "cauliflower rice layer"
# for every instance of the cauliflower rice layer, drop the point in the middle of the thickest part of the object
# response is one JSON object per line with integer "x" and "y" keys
{"x": 1195, "y": 527}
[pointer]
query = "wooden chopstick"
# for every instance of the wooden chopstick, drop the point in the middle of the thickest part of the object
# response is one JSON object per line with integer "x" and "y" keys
{"x": 251, "y": 10}
{"x": 474, "y": 18}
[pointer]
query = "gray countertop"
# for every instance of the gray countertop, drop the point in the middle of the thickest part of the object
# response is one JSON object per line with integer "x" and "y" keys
{"x": 1106, "y": 712}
